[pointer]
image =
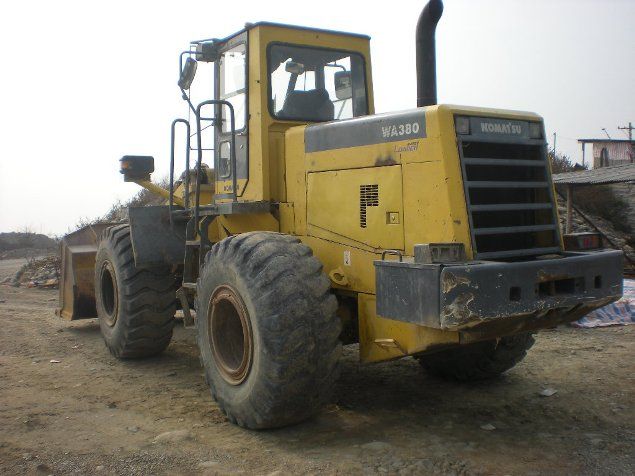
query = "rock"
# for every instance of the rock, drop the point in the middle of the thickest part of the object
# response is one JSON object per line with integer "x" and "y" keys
{"x": 27, "y": 456}
{"x": 42, "y": 469}
{"x": 100, "y": 468}
{"x": 376, "y": 446}
{"x": 547, "y": 392}
{"x": 133, "y": 429}
{"x": 50, "y": 283}
{"x": 53, "y": 361}
{"x": 173, "y": 436}
{"x": 208, "y": 464}
{"x": 488, "y": 427}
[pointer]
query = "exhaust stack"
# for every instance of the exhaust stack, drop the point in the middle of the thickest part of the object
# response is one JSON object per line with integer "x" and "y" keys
{"x": 426, "y": 56}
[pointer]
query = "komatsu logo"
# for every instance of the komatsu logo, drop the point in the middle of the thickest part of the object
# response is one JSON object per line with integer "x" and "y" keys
{"x": 498, "y": 128}
{"x": 398, "y": 130}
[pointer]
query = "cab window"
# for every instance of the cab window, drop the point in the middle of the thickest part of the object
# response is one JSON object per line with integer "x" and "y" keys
{"x": 233, "y": 85}
{"x": 316, "y": 84}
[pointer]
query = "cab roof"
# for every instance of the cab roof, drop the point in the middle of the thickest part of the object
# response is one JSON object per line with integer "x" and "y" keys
{"x": 249, "y": 26}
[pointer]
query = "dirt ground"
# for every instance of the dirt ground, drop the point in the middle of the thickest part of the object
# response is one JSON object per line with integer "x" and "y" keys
{"x": 91, "y": 414}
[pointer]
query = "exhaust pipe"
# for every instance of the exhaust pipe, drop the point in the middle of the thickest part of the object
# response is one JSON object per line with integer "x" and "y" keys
{"x": 426, "y": 57}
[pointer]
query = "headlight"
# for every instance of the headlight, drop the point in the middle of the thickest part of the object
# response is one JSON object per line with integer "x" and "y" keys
{"x": 462, "y": 125}
{"x": 535, "y": 130}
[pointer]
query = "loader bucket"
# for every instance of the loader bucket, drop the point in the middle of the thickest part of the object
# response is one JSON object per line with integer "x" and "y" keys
{"x": 77, "y": 283}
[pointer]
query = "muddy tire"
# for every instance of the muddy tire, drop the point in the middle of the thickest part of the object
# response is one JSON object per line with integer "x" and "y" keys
{"x": 135, "y": 307}
{"x": 267, "y": 329}
{"x": 478, "y": 361}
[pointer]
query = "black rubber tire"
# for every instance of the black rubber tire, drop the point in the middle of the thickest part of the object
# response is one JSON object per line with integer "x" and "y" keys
{"x": 478, "y": 361}
{"x": 294, "y": 328}
{"x": 135, "y": 307}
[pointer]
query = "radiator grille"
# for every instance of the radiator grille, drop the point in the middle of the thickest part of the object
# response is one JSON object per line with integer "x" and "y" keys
{"x": 368, "y": 197}
{"x": 509, "y": 199}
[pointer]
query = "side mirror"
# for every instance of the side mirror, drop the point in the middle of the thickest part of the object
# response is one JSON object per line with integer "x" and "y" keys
{"x": 294, "y": 68}
{"x": 187, "y": 74}
{"x": 343, "y": 85}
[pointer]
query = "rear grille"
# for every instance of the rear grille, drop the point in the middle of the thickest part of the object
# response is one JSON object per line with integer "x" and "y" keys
{"x": 509, "y": 198}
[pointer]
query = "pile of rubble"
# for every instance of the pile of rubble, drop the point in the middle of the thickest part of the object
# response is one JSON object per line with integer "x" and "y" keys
{"x": 37, "y": 273}
{"x": 622, "y": 240}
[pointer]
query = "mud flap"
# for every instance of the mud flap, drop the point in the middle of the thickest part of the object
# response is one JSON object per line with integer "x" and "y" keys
{"x": 156, "y": 241}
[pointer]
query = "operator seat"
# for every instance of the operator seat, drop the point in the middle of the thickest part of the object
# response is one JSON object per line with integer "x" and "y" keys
{"x": 308, "y": 105}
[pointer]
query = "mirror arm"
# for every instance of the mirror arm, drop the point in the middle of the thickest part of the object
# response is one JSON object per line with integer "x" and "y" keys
{"x": 186, "y": 98}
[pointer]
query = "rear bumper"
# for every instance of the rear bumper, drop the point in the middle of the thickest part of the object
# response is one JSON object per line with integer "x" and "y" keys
{"x": 478, "y": 295}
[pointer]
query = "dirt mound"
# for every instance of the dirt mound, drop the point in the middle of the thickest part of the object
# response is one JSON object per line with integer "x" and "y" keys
{"x": 37, "y": 273}
{"x": 25, "y": 245}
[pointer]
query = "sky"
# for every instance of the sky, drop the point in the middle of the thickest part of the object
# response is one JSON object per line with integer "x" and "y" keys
{"x": 84, "y": 83}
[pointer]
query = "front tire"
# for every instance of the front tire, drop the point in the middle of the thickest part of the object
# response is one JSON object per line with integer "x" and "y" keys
{"x": 479, "y": 361}
{"x": 135, "y": 307}
{"x": 267, "y": 329}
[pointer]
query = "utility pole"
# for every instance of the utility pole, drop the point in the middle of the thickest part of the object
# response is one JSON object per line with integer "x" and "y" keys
{"x": 628, "y": 128}
{"x": 554, "y": 145}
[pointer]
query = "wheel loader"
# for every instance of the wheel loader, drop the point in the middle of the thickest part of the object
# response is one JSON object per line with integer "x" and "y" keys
{"x": 306, "y": 222}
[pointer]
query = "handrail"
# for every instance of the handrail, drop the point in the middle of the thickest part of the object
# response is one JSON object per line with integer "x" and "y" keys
{"x": 186, "y": 201}
{"x": 199, "y": 160}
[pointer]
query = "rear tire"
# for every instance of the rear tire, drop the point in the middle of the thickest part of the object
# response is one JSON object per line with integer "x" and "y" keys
{"x": 267, "y": 329}
{"x": 135, "y": 307}
{"x": 478, "y": 361}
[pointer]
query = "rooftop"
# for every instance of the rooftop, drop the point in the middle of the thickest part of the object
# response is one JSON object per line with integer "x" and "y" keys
{"x": 584, "y": 141}
{"x": 599, "y": 176}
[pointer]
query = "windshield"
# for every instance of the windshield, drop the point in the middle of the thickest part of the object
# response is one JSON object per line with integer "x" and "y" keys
{"x": 316, "y": 84}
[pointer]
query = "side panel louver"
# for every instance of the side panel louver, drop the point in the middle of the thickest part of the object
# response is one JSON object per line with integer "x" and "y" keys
{"x": 368, "y": 197}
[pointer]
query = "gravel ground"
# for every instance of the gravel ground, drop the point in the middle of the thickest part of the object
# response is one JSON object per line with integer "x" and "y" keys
{"x": 68, "y": 407}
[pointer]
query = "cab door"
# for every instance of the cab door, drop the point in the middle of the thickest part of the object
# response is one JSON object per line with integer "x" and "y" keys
{"x": 231, "y": 85}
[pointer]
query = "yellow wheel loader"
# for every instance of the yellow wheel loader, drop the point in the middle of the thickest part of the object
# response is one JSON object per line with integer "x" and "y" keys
{"x": 431, "y": 232}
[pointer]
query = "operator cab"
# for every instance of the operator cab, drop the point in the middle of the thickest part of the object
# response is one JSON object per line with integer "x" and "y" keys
{"x": 273, "y": 77}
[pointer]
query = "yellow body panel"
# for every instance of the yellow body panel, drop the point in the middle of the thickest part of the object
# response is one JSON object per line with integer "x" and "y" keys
{"x": 339, "y": 190}
{"x": 385, "y": 339}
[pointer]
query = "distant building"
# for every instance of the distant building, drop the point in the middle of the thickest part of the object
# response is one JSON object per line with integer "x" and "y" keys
{"x": 609, "y": 152}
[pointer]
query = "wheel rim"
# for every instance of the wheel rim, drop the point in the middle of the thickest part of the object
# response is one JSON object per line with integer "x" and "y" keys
{"x": 230, "y": 334}
{"x": 108, "y": 288}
